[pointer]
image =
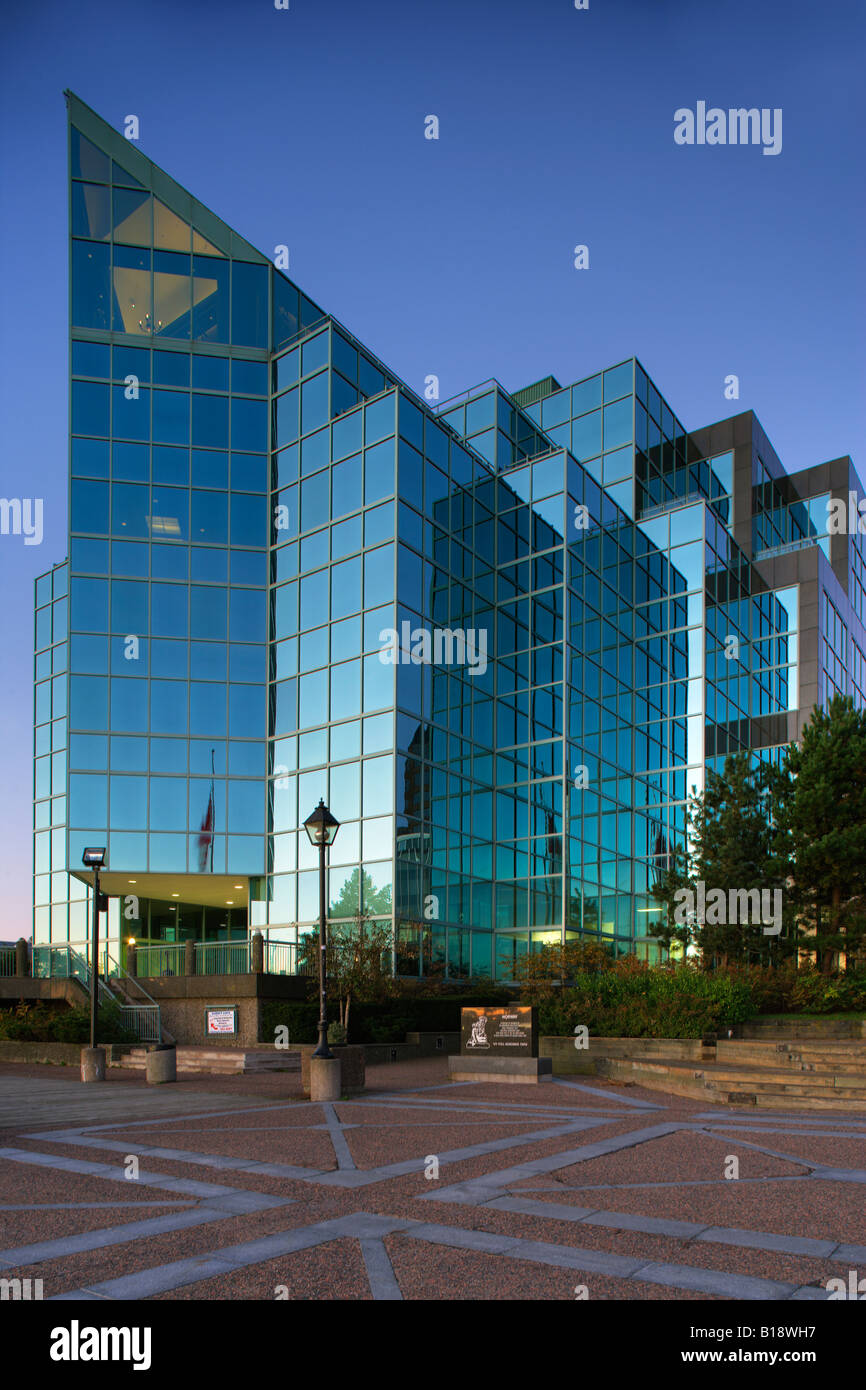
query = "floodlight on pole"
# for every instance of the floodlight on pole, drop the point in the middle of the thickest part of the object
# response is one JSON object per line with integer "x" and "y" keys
{"x": 94, "y": 858}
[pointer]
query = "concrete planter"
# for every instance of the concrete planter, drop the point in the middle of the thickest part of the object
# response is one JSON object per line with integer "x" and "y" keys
{"x": 325, "y": 1078}
{"x": 93, "y": 1063}
{"x": 160, "y": 1065}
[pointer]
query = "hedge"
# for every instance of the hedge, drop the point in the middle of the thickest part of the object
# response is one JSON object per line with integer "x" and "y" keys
{"x": 39, "y": 1023}
{"x": 632, "y": 1000}
{"x": 387, "y": 1022}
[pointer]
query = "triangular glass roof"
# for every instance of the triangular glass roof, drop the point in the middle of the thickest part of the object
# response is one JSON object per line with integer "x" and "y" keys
{"x": 99, "y": 152}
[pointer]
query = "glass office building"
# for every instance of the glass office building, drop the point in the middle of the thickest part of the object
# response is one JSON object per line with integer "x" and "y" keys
{"x": 495, "y": 636}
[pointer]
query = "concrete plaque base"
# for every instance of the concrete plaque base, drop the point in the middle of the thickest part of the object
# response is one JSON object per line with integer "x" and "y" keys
{"x": 516, "y": 1070}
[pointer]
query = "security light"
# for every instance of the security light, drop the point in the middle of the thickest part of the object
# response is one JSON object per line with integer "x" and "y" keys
{"x": 93, "y": 858}
{"x": 321, "y": 826}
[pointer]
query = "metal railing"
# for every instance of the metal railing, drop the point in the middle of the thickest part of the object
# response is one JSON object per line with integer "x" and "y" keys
{"x": 143, "y": 1020}
{"x": 160, "y": 960}
{"x": 7, "y": 961}
{"x": 71, "y": 961}
{"x": 222, "y": 957}
{"x": 156, "y": 960}
{"x": 281, "y": 958}
{"x": 773, "y": 551}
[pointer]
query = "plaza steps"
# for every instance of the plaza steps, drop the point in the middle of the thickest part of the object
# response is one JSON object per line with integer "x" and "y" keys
{"x": 213, "y": 1061}
{"x": 770, "y": 1075}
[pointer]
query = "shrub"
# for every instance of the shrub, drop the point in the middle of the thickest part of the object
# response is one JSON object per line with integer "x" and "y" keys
{"x": 633, "y": 1000}
{"x": 40, "y": 1023}
{"x": 386, "y": 1022}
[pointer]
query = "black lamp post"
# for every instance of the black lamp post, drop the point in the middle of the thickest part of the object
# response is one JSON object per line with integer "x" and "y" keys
{"x": 94, "y": 859}
{"x": 322, "y": 829}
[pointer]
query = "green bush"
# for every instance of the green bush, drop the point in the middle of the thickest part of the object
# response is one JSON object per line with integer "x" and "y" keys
{"x": 633, "y": 1000}
{"x": 828, "y": 994}
{"x": 788, "y": 989}
{"x": 387, "y": 1022}
{"x": 40, "y": 1023}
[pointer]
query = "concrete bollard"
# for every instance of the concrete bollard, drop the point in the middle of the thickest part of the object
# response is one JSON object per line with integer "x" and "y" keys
{"x": 324, "y": 1078}
{"x": 93, "y": 1064}
{"x": 160, "y": 1065}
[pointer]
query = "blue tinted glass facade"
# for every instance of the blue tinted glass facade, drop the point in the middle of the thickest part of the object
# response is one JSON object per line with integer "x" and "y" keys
{"x": 502, "y": 638}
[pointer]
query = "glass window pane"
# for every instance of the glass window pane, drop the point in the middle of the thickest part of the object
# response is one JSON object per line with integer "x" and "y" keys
{"x": 171, "y": 368}
{"x": 91, "y": 285}
{"x": 379, "y": 470}
{"x": 171, "y": 417}
{"x": 169, "y": 232}
{"x": 132, "y": 217}
{"x": 128, "y": 705}
{"x": 132, "y": 302}
{"x": 172, "y": 288}
{"x": 91, "y": 211}
{"x": 249, "y": 520}
{"x": 250, "y": 378}
{"x": 210, "y": 299}
{"x": 207, "y": 709}
{"x": 89, "y": 506}
{"x": 128, "y": 803}
{"x": 249, "y": 304}
{"x": 314, "y": 403}
{"x": 87, "y": 162}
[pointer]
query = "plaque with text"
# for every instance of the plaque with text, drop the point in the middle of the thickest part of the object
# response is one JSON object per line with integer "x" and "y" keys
{"x": 504, "y": 1031}
{"x": 221, "y": 1020}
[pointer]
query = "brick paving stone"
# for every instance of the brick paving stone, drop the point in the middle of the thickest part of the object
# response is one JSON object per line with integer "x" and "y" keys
{"x": 250, "y": 1141}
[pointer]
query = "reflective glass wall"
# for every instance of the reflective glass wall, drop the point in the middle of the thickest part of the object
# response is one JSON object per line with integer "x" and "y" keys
{"x": 501, "y": 639}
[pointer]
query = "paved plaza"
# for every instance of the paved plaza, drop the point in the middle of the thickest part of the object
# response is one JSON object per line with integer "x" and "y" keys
{"x": 235, "y": 1187}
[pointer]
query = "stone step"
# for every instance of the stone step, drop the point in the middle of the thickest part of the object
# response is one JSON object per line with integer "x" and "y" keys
{"x": 790, "y": 1088}
{"x": 790, "y": 1103}
{"x": 748, "y": 1087}
{"x": 774, "y": 1048}
{"x": 222, "y": 1061}
{"x": 726, "y": 1074}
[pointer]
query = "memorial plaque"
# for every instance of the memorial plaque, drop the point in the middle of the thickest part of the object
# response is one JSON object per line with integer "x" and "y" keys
{"x": 509, "y": 1031}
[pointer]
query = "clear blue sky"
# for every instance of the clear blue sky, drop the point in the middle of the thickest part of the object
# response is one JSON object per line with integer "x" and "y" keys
{"x": 454, "y": 256}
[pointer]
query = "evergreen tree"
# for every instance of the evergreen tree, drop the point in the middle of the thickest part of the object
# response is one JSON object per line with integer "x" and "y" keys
{"x": 731, "y": 848}
{"x": 821, "y": 830}
{"x": 375, "y": 901}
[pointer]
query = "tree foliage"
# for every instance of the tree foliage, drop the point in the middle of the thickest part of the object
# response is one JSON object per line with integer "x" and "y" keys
{"x": 820, "y": 834}
{"x": 799, "y": 828}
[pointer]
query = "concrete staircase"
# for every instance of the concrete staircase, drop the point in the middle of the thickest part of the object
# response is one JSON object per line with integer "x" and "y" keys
{"x": 767, "y": 1075}
{"x": 213, "y": 1061}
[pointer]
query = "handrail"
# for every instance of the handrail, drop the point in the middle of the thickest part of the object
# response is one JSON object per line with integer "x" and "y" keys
{"x": 119, "y": 971}
{"x": 169, "y": 957}
{"x": 800, "y": 544}
{"x": 463, "y": 397}
{"x": 76, "y": 963}
{"x": 138, "y": 1014}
